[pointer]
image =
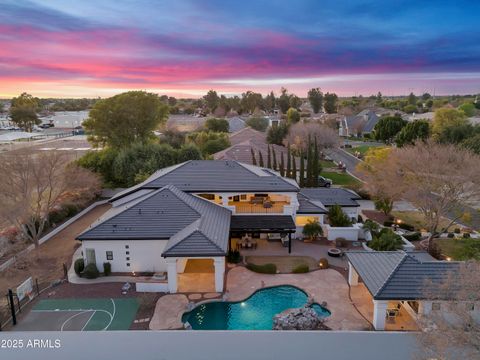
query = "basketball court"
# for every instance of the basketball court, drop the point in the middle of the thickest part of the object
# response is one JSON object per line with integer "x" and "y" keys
{"x": 80, "y": 315}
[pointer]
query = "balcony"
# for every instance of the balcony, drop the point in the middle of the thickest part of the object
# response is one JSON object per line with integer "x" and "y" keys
{"x": 267, "y": 207}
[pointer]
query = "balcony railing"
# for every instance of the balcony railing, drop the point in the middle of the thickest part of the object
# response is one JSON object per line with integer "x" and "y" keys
{"x": 271, "y": 208}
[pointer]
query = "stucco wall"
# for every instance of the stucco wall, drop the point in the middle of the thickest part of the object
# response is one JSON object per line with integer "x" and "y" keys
{"x": 144, "y": 255}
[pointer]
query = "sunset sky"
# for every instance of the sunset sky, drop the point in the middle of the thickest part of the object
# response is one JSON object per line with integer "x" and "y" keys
{"x": 84, "y": 48}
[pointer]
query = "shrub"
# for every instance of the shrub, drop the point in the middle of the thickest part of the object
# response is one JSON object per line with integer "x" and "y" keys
{"x": 451, "y": 235}
{"x": 388, "y": 223}
{"x": 323, "y": 263}
{"x": 435, "y": 251}
{"x": 91, "y": 271}
{"x": 107, "y": 268}
{"x": 413, "y": 236}
{"x": 371, "y": 226}
{"x": 263, "y": 269}
{"x": 56, "y": 216}
{"x": 406, "y": 226}
{"x": 217, "y": 125}
{"x": 79, "y": 266}
{"x": 70, "y": 209}
{"x": 337, "y": 217}
{"x": 386, "y": 240}
{"x": 456, "y": 230}
{"x": 233, "y": 256}
{"x": 258, "y": 123}
{"x": 466, "y": 235}
{"x": 300, "y": 269}
{"x": 312, "y": 229}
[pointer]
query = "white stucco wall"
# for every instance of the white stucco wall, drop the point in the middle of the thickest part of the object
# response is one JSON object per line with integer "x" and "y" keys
{"x": 352, "y": 212}
{"x": 145, "y": 255}
{"x": 348, "y": 233}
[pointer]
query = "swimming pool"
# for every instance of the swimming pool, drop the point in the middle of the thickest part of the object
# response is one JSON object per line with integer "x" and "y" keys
{"x": 254, "y": 313}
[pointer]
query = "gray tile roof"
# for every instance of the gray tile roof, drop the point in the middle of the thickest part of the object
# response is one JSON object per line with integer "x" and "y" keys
{"x": 307, "y": 206}
{"x": 262, "y": 222}
{"x": 398, "y": 275}
{"x": 331, "y": 196}
{"x": 215, "y": 176}
{"x": 189, "y": 222}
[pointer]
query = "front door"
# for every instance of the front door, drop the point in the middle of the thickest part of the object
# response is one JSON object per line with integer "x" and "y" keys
{"x": 90, "y": 256}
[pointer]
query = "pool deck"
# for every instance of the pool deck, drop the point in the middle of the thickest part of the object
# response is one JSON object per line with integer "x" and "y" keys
{"x": 323, "y": 285}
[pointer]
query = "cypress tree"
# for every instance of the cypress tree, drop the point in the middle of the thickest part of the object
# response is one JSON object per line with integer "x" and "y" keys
{"x": 269, "y": 158}
{"x": 308, "y": 180}
{"x": 294, "y": 168}
{"x": 289, "y": 162}
{"x": 274, "y": 162}
{"x": 282, "y": 165}
{"x": 302, "y": 169}
{"x": 260, "y": 159}
{"x": 316, "y": 167}
{"x": 254, "y": 161}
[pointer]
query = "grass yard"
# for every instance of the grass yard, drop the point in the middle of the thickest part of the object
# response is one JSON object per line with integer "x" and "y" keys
{"x": 285, "y": 264}
{"x": 453, "y": 247}
{"x": 362, "y": 149}
{"x": 327, "y": 164}
{"x": 342, "y": 179}
{"x": 417, "y": 219}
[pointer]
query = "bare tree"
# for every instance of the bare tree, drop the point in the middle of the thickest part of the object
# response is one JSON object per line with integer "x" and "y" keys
{"x": 32, "y": 185}
{"x": 298, "y": 136}
{"x": 453, "y": 332}
{"x": 438, "y": 179}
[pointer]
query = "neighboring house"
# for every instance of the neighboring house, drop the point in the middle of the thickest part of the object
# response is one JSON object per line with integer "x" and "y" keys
{"x": 192, "y": 211}
{"x": 235, "y": 124}
{"x": 396, "y": 282}
{"x": 358, "y": 125}
{"x": 424, "y": 116}
{"x": 243, "y": 141}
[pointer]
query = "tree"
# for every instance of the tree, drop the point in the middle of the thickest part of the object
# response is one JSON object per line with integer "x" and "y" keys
{"x": 125, "y": 119}
{"x": 274, "y": 159}
{"x": 453, "y": 332}
{"x": 312, "y": 229}
{"x": 209, "y": 142}
{"x": 316, "y": 168}
{"x": 258, "y": 123}
{"x": 387, "y": 127}
{"x": 254, "y": 160}
{"x": 289, "y": 162}
{"x": 33, "y": 185}
{"x": 412, "y": 99}
{"x": 302, "y": 170}
{"x": 308, "y": 179}
{"x": 298, "y": 135}
{"x": 384, "y": 205}
{"x": 270, "y": 102}
{"x": 410, "y": 109}
{"x": 443, "y": 122}
{"x": 315, "y": 97}
{"x": 260, "y": 161}
{"x": 438, "y": 179}
{"x": 331, "y": 101}
{"x": 276, "y": 134}
{"x": 293, "y": 116}
{"x": 294, "y": 167}
{"x": 468, "y": 109}
{"x": 284, "y": 101}
{"x": 218, "y": 125}
{"x": 337, "y": 218}
{"x": 251, "y": 101}
{"x": 295, "y": 101}
{"x": 23, "y": 111}
{"x": 211, "y": 100}
{"x": 282, "y": 165}
{"x": 269, "y": 158}
{"x": 189, "y": 152}
{"x": 413, "y": 131}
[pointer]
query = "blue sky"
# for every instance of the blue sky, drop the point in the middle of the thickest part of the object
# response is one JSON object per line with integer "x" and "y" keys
{"x": 184, "y": 48}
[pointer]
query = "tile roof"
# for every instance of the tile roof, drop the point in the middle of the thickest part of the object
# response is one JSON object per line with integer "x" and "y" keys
{"x": 215, "y": 176}
{"x": 194, "y": 226}
{"x": 331, "y": 196}
{"x": 307, "y": 206}
{"x": 262, "y": 222}
{"x": 398, "y": 275}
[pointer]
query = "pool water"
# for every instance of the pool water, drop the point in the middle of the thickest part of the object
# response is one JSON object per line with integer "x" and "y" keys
{"x": 254, "y": 313}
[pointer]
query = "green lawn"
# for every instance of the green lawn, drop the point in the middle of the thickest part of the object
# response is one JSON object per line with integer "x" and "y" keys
{"x": 362, "y": 149}
{"x": 284, "y": 264}
{"x": 327, "y": 164}
{"x": 453, "y": 247}
{"x": 417, "y": 219}
{"x": 342, "y": 179}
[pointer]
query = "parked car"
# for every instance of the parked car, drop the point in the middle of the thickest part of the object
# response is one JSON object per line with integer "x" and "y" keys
{"x": 324, "y": 182}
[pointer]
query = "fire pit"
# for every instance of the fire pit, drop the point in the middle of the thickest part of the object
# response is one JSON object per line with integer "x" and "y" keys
{"x": 333, "y": 252}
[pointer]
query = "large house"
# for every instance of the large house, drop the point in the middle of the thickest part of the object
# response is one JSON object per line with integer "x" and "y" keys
{"x": 193, "y": 210}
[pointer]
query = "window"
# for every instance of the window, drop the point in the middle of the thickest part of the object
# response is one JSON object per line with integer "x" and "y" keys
{"x": 436, "y": 306}
{"x": 127, "y": 247}
{"x": 236, "y": 198}
{"x": 128, "y": 259}
{"x": 127, "y": 252}
{"x": 243, "y": 197}
{"x": 128, "y": 264}
{"x": 208, "y": 196}
{"x": 109, "y": 255}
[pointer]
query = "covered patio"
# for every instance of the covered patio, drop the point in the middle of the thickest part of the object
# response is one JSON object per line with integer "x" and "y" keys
{"x": 256, "y": 230}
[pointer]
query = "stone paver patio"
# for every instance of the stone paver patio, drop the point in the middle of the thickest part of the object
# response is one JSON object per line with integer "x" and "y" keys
{"x": 323, "y": 285}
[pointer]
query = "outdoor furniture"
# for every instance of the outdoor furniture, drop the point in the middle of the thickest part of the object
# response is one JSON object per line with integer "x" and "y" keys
{"x": 392, "y": 313}
{"x": 267, "y": 204}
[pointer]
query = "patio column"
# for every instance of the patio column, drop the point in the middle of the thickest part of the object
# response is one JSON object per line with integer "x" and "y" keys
{"x": 172, "y": 274}
{"x": 379, "y": 314}
{"x": 289, "y": 243}
{"x": 352, "y": 275}
{"x": 219, "y": 264}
